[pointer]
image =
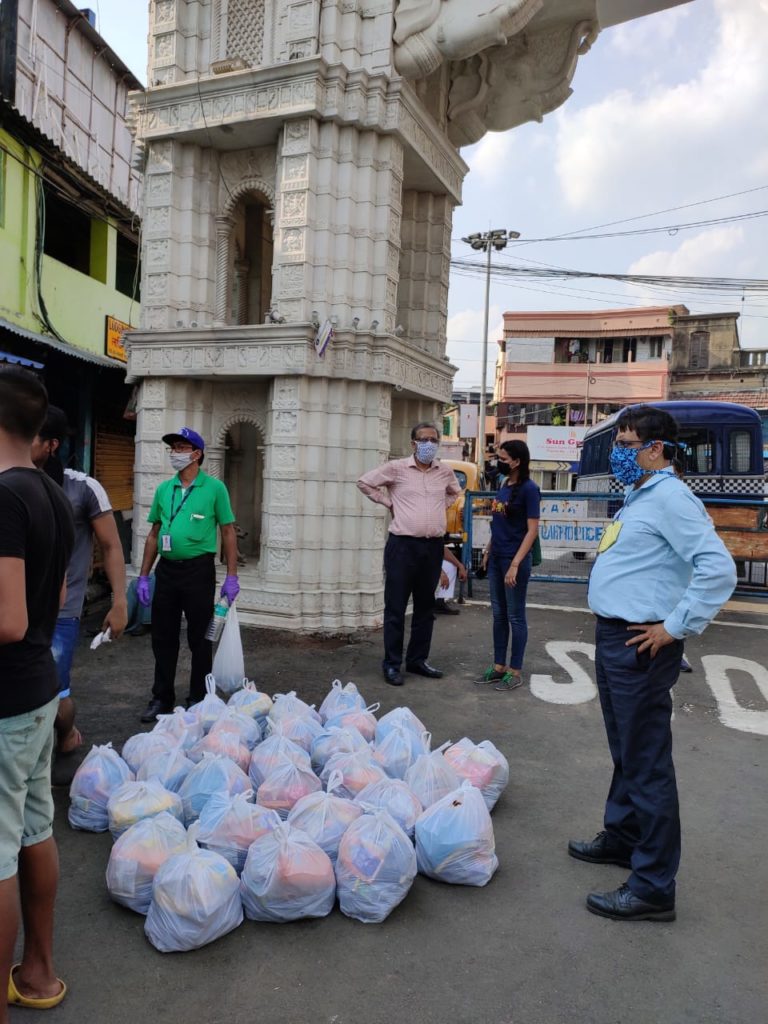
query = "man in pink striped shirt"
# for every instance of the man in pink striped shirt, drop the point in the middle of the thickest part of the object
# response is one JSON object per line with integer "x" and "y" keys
{"x": 417, "y": 491}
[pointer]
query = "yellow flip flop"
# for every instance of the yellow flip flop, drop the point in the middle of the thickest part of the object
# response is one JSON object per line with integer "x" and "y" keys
{"x": 15, "y": 998}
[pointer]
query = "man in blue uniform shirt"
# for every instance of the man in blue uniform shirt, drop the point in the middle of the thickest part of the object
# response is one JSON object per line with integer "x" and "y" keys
{"x": 664, "y": 570}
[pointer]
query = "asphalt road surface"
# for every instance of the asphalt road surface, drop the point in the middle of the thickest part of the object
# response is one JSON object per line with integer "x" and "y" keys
{"x": 522, "y": 950}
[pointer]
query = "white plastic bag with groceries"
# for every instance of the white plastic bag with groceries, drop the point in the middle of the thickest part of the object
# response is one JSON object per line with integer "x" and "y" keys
{"x": 375, "y": 868}
{"x": 324, "y": 816}
{"x": 286, "y": 877}
{"x": 228, "y": 662}
{"x": 455, "y": 841}
{"x": 101, "y": 772}
{"x": 138, "y": 854}
{"x": 195, "y": 900}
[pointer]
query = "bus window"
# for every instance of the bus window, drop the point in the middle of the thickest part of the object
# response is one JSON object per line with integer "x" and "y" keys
{"x": 699, "y": 450}
{"x": 739, "y": 451}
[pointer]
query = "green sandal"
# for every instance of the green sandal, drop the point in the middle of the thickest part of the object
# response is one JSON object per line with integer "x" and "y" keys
{"x": 509, "y": 681}
{"x": 491, "y": 675}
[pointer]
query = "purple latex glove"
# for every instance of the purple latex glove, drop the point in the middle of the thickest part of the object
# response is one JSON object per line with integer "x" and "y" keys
{"x": 230, "y": 588}
{"x": 143, "y": 591}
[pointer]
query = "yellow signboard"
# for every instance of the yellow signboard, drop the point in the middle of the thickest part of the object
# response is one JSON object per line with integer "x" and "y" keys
{"x": 113, "y": 343}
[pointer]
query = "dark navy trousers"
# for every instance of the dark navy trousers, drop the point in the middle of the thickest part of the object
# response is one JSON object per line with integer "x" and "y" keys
{"x": 411, "y": 569}
{"x": 641, "y": 811}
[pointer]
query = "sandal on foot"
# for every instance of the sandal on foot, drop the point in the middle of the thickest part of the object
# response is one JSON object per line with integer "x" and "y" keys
{"x": 491, "y": 675}
{"x": 15, "y": 998}
{"x": 509, "y": 681}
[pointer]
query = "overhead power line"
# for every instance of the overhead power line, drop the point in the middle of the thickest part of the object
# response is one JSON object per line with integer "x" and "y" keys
{"x": 738, "y": 285}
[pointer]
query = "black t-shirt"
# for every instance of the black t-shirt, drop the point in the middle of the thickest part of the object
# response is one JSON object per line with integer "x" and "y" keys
{"x": 512, "y": 507}
{"x": 36, "y": 524}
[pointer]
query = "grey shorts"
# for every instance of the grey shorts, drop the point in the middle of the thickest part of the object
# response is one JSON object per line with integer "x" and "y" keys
{"x": 26, "y": 803}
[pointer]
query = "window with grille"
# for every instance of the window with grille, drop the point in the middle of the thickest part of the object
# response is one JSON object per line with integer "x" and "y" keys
{"x": 698, "y": 358}
{"x": 739, "y": 453}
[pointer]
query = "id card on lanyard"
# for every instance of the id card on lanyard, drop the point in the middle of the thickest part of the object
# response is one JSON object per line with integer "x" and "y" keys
{"x": 165, "y": 540}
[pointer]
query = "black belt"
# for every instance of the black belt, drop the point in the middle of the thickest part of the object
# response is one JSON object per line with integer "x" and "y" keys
{"x": 625, "y": 622}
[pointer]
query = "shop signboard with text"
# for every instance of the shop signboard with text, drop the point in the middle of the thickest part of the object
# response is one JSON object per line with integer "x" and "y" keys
{"x": 555, "y": 444}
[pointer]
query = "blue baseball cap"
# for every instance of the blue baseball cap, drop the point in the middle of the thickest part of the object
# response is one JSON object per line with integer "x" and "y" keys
{"x": 186, "y": 434}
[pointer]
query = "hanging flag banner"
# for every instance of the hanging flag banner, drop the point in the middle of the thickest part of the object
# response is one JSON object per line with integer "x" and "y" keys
{"x": 467, "y": 421}
{"x": 323, "y": 337}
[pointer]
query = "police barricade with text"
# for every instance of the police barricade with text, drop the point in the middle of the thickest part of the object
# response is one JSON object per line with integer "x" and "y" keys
{"x": 572, "y": 525}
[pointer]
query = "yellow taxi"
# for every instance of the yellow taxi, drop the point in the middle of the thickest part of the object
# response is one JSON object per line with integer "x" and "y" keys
{"x": 467, "y": 476}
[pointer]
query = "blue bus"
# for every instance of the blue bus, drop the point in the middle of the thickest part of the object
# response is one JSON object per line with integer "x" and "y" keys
{"x": 723, "y": 456}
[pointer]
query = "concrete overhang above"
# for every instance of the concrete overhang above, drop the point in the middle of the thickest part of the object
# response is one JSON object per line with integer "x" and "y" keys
{"x": 248, "y": 108}
{"x": 280, "y": 350}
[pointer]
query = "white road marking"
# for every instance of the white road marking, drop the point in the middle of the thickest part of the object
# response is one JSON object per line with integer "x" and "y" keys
{"x": 732, "y": 714}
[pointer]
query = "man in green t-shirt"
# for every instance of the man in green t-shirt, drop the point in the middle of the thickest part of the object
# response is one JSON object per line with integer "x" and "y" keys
{"x": 185, "y": 514}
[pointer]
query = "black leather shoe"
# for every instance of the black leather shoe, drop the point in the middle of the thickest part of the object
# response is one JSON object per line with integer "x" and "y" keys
{"x": 601, "y": 850}
{"x": 155, "y": 708}
{"x": 622, "y": 905}
{"x": 446, "y": 609}
{"x": 423, "y": 668}
{"x": 393, "y": 676}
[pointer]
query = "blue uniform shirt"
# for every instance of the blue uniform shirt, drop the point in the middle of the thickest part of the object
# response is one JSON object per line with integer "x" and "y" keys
{"x": 666, "y": 564}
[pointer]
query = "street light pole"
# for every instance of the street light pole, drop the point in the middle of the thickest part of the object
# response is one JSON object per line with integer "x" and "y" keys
{"x": 486, "y": 241}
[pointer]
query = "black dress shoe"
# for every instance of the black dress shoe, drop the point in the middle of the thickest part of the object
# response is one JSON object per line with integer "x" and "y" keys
{"x": 423, "y": 668}
{"x": 622, "y": 905}
{"x": 601, "y": 850}
{"x": 446, "y": 609}
{"x": 393, "y": 676}
{"x": 155, "y": 708}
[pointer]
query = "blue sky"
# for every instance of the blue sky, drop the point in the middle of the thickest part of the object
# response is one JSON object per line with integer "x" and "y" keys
{"x": 666, "y": 111}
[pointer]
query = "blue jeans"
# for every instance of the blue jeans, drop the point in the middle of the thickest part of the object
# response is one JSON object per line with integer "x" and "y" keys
{"x": 65, "y": 637}
{"x": 508, "y": 604}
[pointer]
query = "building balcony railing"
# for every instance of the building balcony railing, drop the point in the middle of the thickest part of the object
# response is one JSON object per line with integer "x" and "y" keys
{"x": 753, "y": 357}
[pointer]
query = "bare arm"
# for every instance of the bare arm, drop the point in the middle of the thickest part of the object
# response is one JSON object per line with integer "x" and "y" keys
{"x": 510, "y": 577}
{"x": 14, "y": 620}
{"x": 105, "y": 529}
{"x": 229, "y": 544}
{"x": 150, "y": 550}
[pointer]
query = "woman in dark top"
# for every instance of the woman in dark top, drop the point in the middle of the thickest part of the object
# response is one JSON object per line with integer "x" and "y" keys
{"x": 514, "y": 528}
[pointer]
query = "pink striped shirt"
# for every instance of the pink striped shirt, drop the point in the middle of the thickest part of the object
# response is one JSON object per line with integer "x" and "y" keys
{"x": 417, "y": 498}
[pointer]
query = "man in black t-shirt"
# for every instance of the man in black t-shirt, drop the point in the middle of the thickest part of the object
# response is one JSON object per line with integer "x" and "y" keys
{"x": 36, "y": 540}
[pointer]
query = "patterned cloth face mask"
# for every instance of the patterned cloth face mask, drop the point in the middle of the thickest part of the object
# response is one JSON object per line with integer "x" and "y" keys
{"x": 426, "y": 451}
{"x": 624, "y": 464}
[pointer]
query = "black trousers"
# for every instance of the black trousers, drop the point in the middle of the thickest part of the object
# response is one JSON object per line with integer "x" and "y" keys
{"x": 641, "y": 812}
{"x": 185, "y": 586}
{"x": 412, "y": 569}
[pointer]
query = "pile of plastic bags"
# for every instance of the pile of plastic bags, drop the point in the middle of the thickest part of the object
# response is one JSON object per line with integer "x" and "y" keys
{"x": 272, "y": 809}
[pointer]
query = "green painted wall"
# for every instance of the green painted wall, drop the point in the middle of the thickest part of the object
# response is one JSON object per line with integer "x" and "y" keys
{"x": 77, "y": 303}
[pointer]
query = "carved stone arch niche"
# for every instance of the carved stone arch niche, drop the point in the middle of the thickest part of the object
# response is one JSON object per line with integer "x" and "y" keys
{"x": 241, "y": 439}
{"x": 244, "y": 249}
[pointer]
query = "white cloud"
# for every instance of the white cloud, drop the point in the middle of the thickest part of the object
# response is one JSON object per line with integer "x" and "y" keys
{"x": 650, "y": 32}
{"x": 695, "y": 257}
{"x": 490, "y": 158}
{"x": 633, "y": 141}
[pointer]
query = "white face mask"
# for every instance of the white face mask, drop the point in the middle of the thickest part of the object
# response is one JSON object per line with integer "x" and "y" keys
{"x": 180, "y": 460}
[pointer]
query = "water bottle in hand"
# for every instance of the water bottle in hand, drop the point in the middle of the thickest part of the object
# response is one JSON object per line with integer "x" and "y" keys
{"x": 219, "y": 617}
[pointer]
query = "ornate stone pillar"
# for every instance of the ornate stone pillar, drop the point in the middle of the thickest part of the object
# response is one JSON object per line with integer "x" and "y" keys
{"x": 224, "y": 228}
{"x": 242, "y": 267}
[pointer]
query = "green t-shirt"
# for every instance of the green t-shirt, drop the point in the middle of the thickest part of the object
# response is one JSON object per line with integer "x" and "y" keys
{"x": 189, "y": 518}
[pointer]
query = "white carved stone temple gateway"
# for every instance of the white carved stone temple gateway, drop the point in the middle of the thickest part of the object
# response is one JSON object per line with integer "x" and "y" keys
{"x": 302, "y": 165}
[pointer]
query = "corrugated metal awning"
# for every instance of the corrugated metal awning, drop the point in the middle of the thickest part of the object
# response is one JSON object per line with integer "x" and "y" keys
{"x": 62, "y": 346}
{"x": 9, "y": 357}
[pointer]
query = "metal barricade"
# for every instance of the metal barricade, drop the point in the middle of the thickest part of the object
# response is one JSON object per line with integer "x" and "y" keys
{"x": 572, "y": 524}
